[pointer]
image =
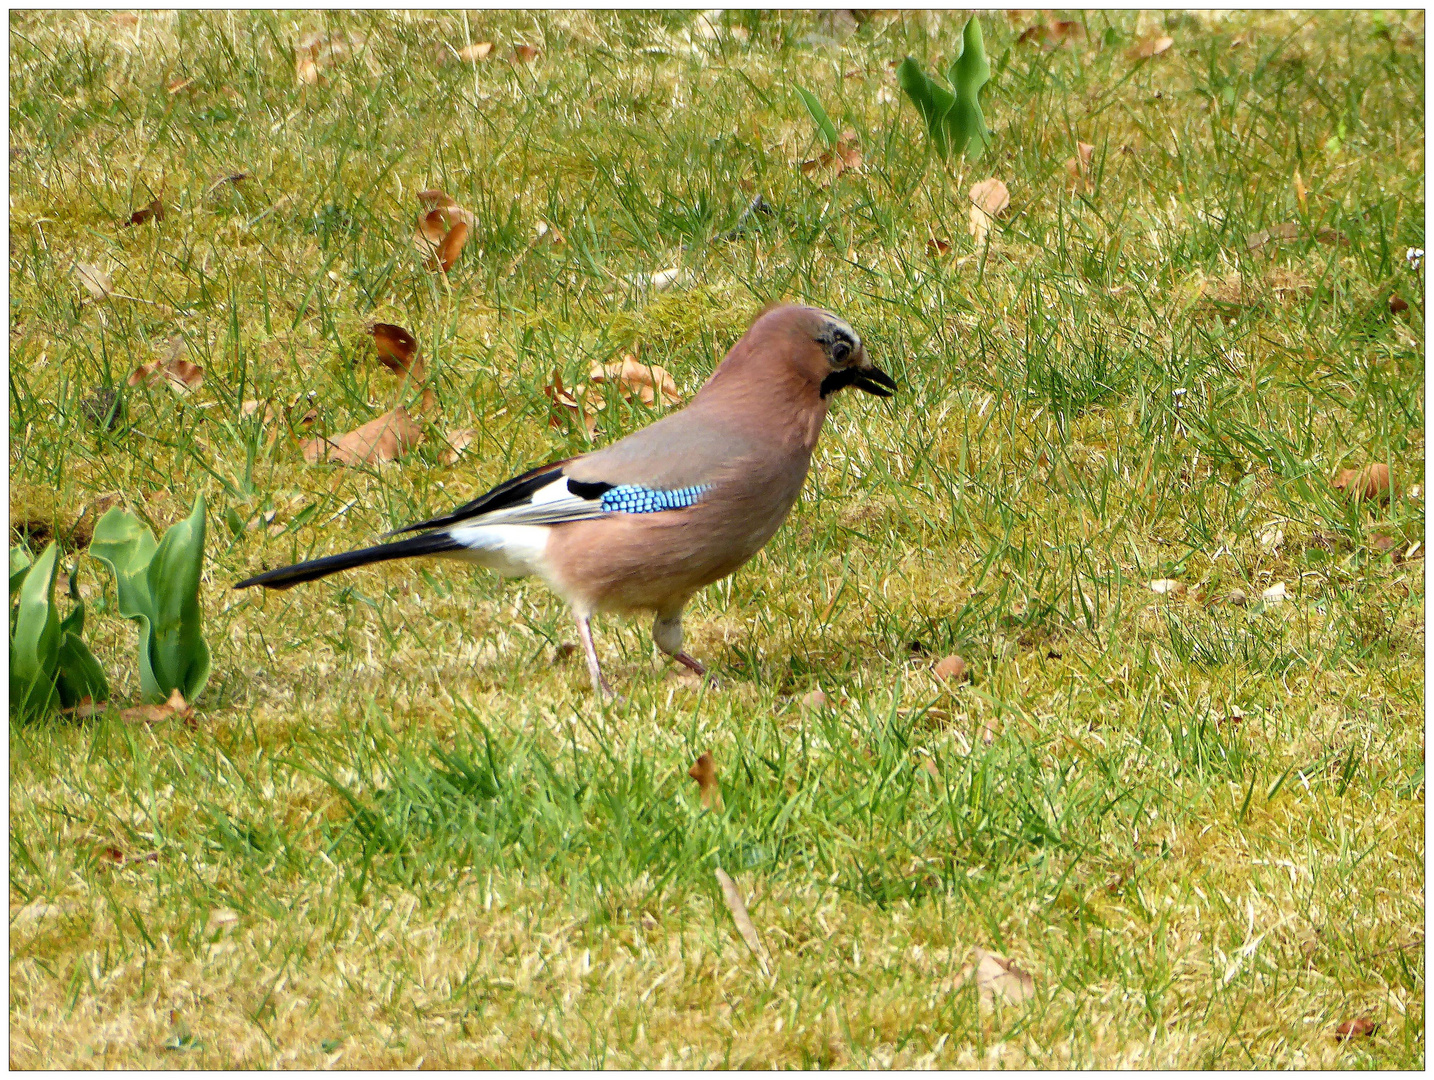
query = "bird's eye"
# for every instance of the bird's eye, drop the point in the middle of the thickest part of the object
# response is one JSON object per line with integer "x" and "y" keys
{"x": 841, "y": 351}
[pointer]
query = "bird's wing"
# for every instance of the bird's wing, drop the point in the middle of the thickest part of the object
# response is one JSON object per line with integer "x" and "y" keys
{"x": 549, "y": 495}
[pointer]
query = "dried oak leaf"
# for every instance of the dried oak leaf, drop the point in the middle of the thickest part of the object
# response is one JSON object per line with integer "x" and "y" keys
{"x": 548, "y": 234}
{"x": 452, "y": 245}
{"x": 114, "y": 856}
{"x": 306, "y": 66}
{"x": 950, "y": 669}
{"x": 830, "y": 164}
{"x": 579, "y": 403}
{"x": 183, "y": 376}
{"x": 224, "y": 178}
{"x": 450, "y": 211}
{"x": 1078, "y": 167}
{"x": 1384, "y": 543}
{"x": 1370, "y": 482}
{"x": 174, "y": 708}
{"x": 704, "y": 771}
{"x": 1290, "y": 230}
{"x": 988, "y": 198}
{"x": 397, "y": 348}
{"x": 631, "y": 376}
{"x": 383, "y": 438}
{"x": 152, "y": 209}
{"x": 999, "y": 979}
{"x": 1150, "y": 46}
{"x": 1359, "y": 1026}
{"x": 1053, "y": 34}
{"x": 738, "y": 907}
{"x": 457, "y": 441}
{"x": 96, "y": 282}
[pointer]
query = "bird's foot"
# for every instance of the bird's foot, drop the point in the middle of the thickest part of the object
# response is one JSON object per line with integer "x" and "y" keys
{"x": 698, "y": 668}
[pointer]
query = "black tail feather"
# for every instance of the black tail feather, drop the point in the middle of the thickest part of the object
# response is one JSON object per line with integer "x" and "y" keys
{"x": 289, "y": 576}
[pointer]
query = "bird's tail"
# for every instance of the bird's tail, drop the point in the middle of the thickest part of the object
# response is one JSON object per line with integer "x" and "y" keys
{"x": 434, "y": 543}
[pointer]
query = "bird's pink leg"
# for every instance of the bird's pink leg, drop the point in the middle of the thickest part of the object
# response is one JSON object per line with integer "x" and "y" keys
{"x": 691, "y": 663}
{"x": 585, "y": 635}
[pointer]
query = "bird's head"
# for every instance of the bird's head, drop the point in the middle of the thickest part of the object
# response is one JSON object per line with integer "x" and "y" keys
{"x": 825, "y": 351}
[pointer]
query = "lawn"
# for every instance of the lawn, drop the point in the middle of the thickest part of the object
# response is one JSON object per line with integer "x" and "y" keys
{"x": 1180, "y": 785}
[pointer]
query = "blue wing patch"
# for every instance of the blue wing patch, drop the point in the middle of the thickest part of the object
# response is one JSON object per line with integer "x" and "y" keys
{"x": 636, "y": 499}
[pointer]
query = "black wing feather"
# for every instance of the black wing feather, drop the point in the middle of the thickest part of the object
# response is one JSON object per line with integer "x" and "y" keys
{"x": 508, "y": 493}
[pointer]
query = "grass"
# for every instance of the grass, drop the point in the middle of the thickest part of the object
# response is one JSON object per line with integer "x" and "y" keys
{"x": 403, "y": 832}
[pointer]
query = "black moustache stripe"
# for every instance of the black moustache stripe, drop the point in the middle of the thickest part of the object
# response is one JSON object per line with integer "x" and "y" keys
{"x": 839, "y": 380}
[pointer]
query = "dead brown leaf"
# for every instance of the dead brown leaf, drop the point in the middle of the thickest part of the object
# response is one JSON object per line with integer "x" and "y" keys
{"x": 183, "y": 376}
{"x": 1290, "y": 230}
{"x": 525, "y": 53}
{"x": 472, "y": 53}
{"x": 830, "y": 164}
{"x": 936, "y": 247}
{"x": 1078, "y": 167}
{"x": 1054, "y": 34}
{"x": 1356, "y": 1028}
{"x": 1384, "y": 543}
{"x": 579, "y": 403}
{"x": 397, "y": 348}
{"x": 950, "y": 669}
{"x": 549, "y": 234}
{"x": 738, "y": 907}
{"x": 398, "y": 351}
{"x": 450, "y": 212}
{"x": 1289, "y": 284}
{"x": 999, "y": 979}
{"x": 383, "y": 438}
{"x": 252, "y": 406}
{"x": 1370, "y": 482}
{"x": 1397, "y": 304}
{"x": 96, "y": 282}
{"x": 152, "y": 209}
{"x": 988, "y": 198}
{"x": 306, "y": 66}
{"x": 452, "y": 245}
{"x": 224, "y": 178}
{"x": 115, "y": 857}
{"x": 458, "y": 440}
{"x": 175, "y": 708}
{"x": 631, "y": 376}
{"x": 1148, "y": 47}
{"x": 704, "y": 771}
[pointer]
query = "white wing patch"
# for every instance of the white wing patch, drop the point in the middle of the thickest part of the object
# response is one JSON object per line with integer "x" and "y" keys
{"x": 548, "y": 505}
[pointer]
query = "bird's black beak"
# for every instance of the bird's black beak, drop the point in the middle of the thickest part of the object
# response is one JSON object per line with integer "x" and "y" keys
{"x": 875, "y": 381}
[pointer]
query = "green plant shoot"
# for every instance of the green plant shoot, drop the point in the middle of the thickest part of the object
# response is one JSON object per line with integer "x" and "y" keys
{"x": 157, "y": 585}
{"x": 48, "y": 659}
{"x": 824, "y": 122}
{"x": 953, "y": 120}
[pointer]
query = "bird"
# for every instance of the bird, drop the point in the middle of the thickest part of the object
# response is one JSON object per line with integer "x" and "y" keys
{"x": 643, "y": 524}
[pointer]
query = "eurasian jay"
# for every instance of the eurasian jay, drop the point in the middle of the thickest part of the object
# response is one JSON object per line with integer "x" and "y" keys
{"x": 643, "y": 524}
